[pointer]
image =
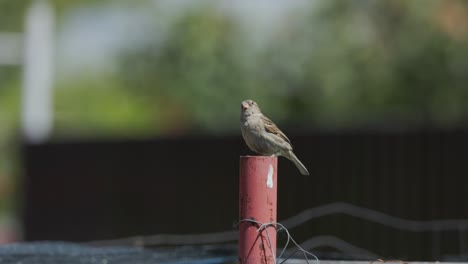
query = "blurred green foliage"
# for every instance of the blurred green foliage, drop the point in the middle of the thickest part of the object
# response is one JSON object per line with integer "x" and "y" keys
{"x": 372, "y": 62}
{"x": 104, "y": 105}
{"x": 9, "y": 122}
{"x": 196, "y": 78}
{"x": 335, "y": 64}
{"x": 11, "y": 14}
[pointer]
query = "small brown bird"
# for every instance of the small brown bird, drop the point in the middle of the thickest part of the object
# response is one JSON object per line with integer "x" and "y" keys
{"x": 264, "y": 137}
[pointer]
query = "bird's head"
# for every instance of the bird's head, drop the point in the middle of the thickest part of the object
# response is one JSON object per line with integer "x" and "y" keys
{"x": 249, "y": 107}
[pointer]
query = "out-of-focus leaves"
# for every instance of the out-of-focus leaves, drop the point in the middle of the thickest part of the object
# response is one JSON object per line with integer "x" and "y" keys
{"x": 339, "y": 63}
{"x": 103, "y": 105}
{"x": 196, "y": 71}
{"x": 334, "y": 64}
{"x": 9, "y": 126}
{"x": 12, "y": 14}
{"x": 367, "y": 61}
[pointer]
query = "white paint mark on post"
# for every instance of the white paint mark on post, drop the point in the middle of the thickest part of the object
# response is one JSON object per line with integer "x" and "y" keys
{"x": 269, "y": 182}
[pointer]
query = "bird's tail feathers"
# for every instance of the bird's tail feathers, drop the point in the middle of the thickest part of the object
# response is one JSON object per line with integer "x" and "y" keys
{"x": 298, "y": 163}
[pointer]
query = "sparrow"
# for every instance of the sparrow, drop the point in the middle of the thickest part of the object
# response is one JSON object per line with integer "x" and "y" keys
{"x": 262, "y": 135}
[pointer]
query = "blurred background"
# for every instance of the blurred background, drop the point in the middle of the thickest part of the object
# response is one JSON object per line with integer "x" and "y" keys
{"x": 121, "y": 118}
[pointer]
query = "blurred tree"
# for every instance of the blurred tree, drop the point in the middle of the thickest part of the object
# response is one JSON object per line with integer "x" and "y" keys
{"x": 334, "y": 64}
{"x": 11, "y": 14}
{"x": 11, "y": 20}
{"x": 101, "y": 108}
{"x": 368, "y": 61}
{"x": 197, "y": 78}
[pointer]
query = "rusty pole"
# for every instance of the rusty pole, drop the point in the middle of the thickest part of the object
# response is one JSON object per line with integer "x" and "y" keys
{"x": 257, "y": 202}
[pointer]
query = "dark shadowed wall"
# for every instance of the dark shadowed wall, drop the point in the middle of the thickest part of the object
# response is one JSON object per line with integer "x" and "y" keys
{"x": 81, "y": 191}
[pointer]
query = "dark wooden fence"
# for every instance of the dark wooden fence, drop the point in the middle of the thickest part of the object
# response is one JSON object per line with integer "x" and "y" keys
{"x": 93, "y": 190}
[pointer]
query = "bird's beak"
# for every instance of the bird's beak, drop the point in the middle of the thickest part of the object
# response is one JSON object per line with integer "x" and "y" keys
{"x": 245, "y": 106}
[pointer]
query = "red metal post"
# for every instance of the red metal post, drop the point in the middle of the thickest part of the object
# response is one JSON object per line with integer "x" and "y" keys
{"x": 257, "y": 202}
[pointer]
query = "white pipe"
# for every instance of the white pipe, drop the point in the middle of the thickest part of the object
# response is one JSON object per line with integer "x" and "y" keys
{"x": 37, "y": 103}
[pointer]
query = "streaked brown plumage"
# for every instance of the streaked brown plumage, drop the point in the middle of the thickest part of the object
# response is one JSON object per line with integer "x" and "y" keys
{"x": 264, "y": 137}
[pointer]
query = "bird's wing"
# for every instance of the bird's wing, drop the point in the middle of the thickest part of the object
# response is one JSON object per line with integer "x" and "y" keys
{"x": 270, "y": 127}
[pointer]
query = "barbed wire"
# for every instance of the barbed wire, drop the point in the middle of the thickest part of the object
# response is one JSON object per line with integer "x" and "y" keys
{"x": 263, "y": 227}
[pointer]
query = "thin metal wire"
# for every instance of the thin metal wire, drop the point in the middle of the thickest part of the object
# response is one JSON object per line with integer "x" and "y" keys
{"x": 264, "y": 227}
